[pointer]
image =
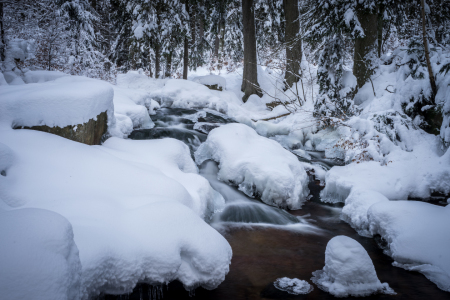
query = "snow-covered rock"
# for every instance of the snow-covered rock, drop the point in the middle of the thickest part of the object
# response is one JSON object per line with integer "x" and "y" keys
{"x": 187, "y": 94}
{"x": 136, "y": 213}
{"x": 348, "y": 270}
{"x": 356, "y": 207}
{"x": 68, "y": 100}
{"x": 417, "y": 174}
{"x": 260, "y": 167}
{"x": 417, "y": 237}
{"x": 39, "y": 258}
{"x": 214, "y": 82}
{"x": 293, "y": 286}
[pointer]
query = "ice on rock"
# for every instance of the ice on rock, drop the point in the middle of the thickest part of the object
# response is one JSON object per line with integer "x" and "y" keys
{"x": 348, "y": 270}
{"x": 39, "y": 259}
{"x": 293, "y": 286}
{"x": 260, "y": 167}
{"x": 417, "y": 237}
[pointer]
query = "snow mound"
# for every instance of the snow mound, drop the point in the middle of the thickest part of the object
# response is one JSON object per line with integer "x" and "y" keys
{"x": 356, "y": 207}
{"x": 417, "y": 237}
{"x": 187, "y": 94}
{"x": 173, "y": 158}
{"x": 135, "y": 212}
{"x": 260, "y": 167}
{"x": 211, "y": 80}
{"x": 348, "y": 270}
{"x": 132, "y": 103}
{"x": 68, "y": 100}
{"x": 293, "y": 286}
{"x": 39, "y": 258}
{"x": 417, "y": 174}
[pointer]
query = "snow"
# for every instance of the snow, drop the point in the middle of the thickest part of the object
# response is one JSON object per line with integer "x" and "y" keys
{"x": 68, "y": 100}
{"x": 356, "y": 207}
{"x": 260, "y": 167}
{"x": 416, "y": 173}
{"x": 39, "y": 258}
{"x": 293, "y": 286}
{"x": 348, "y": 270}
{"x": 135, "y": 207}
{"x": 211, "y": 80}
{"x": 187, "y": 94}
{"x": 417, "y": 237}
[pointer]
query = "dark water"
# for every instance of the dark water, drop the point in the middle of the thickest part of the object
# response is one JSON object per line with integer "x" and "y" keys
{"x": 261, "y": 254}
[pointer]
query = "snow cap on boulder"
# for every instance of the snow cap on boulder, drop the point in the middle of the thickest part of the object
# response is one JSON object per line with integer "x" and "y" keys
{"x": 348, "y": 270}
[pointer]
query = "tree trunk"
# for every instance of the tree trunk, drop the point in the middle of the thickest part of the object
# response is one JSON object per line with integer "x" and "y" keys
{"x": 157, "y": 43}
{"x": 427, "y": 52}
{"x": 216, "y": 46}
{"x": 2, "y": 33}
{"x": 168, "y": 71}
{"x": 366, "y": 47}
{"x": 250, "y": 84}
{"x": 186, "y": 49}
{"x": 293, "y": 42}
{"x": 157, "y": 60}
{"x": 380, "y": 28}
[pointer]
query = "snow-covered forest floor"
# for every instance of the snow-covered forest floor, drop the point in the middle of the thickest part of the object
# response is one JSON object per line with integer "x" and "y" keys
{"x": 305, "y": 152}
{"x": 100, "y": 219}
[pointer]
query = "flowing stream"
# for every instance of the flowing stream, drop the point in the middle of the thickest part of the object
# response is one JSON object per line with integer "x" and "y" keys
{"x": 267, "y": 242}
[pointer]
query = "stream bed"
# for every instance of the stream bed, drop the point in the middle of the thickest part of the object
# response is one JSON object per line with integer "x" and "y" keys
{"x": 267, "y": 242}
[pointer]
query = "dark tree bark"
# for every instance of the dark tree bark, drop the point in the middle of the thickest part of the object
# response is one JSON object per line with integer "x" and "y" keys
{"x": 380, "y": 28}
{"x": 250, "y": 84}
{"x": 427, "y": 51}
{"x": 365, "y": 46}
{"x": 293, "y": 42}
{"x": 186, "y": 49}
{"x": 158, "y": 44}
{"x": 2, "y": 33}
{"x": 168, "y": 71}
{"x": 216, "y": 46}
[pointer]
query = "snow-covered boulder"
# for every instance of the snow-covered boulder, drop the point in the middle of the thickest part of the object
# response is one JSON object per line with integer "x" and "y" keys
{"x": 356, "y": 207}
{"x": 213, "y": 82}
{"x": 348, "y": 270}
{"x": 136, "y": 207}
{"x": 417, "y": 237}
{"x": 39, "y": 259}
{"x": 260, "y": 167}
{"x": 187, "y": 94}
{"x": 73, "y": 107}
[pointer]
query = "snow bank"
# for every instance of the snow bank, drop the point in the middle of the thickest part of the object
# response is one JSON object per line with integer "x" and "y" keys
{"x": 187, "y": 94}
{"x": 39, "y": 258}
{"x": 356, "y": 207}
{"x": 132, "y": 103}
{"x": 42, "y": 76}
{"x": 348, "y": 270}
{"x": 211, "y": 80}
{"x": 68, "y": 100}
{"x": 416, "y": 174}
{"x": 293, "y": 286}
{"x": 259, "y": 166}
{"x": 131, "y": 221}
{"x": 173, "y": 158}
{"x": 417, "y": 237}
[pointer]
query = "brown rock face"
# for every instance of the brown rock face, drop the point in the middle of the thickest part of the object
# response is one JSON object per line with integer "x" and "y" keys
{"x": 89, "y": 133}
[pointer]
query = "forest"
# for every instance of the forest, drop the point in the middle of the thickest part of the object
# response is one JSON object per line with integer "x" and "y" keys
{"x": 224, "y": 149}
